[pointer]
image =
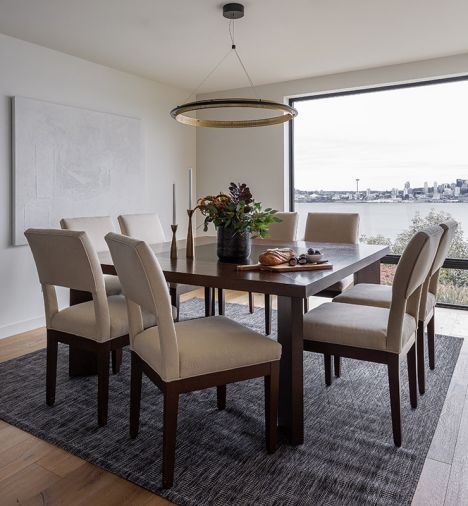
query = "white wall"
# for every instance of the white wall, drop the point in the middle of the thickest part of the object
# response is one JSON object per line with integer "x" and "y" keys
{"x": 258, "y": 156}
{"x": 33, "y": 71}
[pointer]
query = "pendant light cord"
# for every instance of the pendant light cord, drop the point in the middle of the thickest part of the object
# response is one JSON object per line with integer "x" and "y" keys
{"x": 215, "y": 68}
{"x": 234, "y": 47}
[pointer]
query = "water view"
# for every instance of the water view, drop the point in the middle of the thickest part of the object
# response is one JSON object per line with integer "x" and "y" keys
{"x": 398, "y": 157}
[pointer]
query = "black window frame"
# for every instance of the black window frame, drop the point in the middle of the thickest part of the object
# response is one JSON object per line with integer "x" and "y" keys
{"x": 450, "y": 263}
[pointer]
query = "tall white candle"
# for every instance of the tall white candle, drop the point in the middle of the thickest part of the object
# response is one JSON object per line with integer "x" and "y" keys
{"x": 190, "y": 188}
{"x": 174, "y": 218}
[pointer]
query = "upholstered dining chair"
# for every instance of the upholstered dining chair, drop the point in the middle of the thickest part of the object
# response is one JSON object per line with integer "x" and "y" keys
{"x": 283, "y": 231}
{"x": 377, "y": 334}
{"x": 186, "y": 356}
{"x": 381, "y": 296}
{"x": 337, "y": 228}
{"x": 67, "y": 258}
{"x": 147, "y": 227}
{"x": 96, "y": 227}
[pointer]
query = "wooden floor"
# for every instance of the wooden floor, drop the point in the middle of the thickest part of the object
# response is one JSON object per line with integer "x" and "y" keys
{"x": 33, "y": 472}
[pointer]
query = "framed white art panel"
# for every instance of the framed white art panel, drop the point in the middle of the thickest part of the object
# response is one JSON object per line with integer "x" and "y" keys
{"x": 70, "y": 162}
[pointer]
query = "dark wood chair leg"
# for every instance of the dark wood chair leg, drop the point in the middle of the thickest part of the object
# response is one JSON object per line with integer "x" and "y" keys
{"x": 306, "y": 305}
{"x": 431, "y": 342}
{"x": 420, "y": 358}
{"x": 394, "y": 385}
{"x": 221, "y": 396}
{"x": 221, "y": 302}
{"x": 207, "y": 301}
{"x": 251, "y": 303}
{"x": 116, "y": 360}
{"x": 175, "y": 301}
{"x": 267, "y": 314}
{"x": 327, "y": 362}
{"x": 411, "y": 359}
{"x": 213, "y": 301}
{"x": 135, "y": 395}
{"x": 171, "y": 405}
{"x": 51, "y": 368}
{"x": 337, "y": 365}
{"x": 103, "y": 384}
{"x": 271, "y": 407}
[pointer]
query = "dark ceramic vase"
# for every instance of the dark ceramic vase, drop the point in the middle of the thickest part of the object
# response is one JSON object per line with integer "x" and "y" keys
{"x": 233, "y": 246}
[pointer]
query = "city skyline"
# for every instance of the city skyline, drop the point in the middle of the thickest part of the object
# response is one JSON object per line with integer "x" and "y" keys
{"x": 401, "y": 186}
{"x": 456, "y": 191}
{"x": 383, "y": 138}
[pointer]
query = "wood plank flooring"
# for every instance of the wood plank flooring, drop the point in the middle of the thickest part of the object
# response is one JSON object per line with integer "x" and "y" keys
{"x": 33, "y": 472}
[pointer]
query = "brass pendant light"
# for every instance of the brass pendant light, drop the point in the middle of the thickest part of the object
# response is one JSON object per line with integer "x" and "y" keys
{"x": 232, "y": 11}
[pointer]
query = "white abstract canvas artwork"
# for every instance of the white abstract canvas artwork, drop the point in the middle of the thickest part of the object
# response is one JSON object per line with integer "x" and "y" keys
{"x": 70, "y": 162}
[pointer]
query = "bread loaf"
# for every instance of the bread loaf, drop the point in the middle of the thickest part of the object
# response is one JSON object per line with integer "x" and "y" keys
{"x": 276, "y": 256}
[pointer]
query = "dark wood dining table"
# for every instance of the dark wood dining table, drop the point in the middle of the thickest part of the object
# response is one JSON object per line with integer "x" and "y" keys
{"x": 360, "y": 260}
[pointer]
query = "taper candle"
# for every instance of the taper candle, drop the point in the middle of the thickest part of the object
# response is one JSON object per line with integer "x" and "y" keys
{"x": 190, "y": 188}
{"x": 174, "y": 217}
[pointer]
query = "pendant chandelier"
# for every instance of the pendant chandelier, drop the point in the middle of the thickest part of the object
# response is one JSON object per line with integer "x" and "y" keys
{"x": 232, "y": 11}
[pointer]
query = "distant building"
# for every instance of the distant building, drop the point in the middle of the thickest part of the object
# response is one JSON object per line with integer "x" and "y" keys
{"x": 426, "y": 188}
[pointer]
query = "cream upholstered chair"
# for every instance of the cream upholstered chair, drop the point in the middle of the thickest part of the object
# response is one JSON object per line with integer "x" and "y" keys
{"x": 283, "y": 231}
{"x": 147, "y": 227}
{"x": 189, "y": 355}
{"x": 337, "y": 228}
{"x": 381, "y": 296}
{"x": 67, "y": 258}
{"x": 377, "y": 334}
{"x": 96, "y": 227}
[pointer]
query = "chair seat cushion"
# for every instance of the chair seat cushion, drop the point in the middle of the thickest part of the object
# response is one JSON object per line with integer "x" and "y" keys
{"x": 80, "y": 319}
{"x": 112, "y": 284}
{"x": 181, "y": 289}
{"x": 377, "y": 295}
{"x": 353, "y": 325}
{"x": 341, "y": 286}
{"x": 209, "y": 345}
{"x": 367, "y": 294}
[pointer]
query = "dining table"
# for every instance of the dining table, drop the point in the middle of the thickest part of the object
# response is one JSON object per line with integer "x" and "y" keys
{"x": 291, "y": 288}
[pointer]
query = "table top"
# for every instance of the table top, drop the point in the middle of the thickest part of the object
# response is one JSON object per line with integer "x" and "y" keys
{"x": 206, "y": 270}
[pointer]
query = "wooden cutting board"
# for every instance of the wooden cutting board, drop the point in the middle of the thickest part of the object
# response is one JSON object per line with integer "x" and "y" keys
{"x": 285, "y": 267}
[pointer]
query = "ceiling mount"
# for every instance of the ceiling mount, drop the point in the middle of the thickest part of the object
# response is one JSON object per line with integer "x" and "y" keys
{"x": 233, "y": 11}
{"x": 284, "y": 112}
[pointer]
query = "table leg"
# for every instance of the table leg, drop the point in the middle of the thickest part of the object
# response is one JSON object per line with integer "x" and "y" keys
{"x": 370, "y": 274}
{"x": 221, "y": 302}
{"x": 81, "y": 362}
{"x": 291, "y": 395}
{"x": 208, "y": 294}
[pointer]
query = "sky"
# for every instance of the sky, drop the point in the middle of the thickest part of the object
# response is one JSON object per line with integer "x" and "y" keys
{"x": 384, "y": 138}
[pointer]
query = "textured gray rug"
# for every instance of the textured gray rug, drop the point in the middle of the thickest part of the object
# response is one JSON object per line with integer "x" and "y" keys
{"x": 348, "y": 456}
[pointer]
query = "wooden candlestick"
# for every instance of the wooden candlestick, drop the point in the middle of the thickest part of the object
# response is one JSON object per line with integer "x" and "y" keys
{"x": 189, "y": 247}
{"x": 174, "y": 242}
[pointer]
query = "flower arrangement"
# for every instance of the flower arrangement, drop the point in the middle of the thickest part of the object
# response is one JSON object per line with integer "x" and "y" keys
{"x": 237, "y": 211}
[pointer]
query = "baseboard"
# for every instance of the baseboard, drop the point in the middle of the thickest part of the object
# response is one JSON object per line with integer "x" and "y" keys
{"x": 19, "y": 327}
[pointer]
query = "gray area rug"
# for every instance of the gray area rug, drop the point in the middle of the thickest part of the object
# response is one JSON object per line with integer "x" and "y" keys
{"x": 348, "y": 456}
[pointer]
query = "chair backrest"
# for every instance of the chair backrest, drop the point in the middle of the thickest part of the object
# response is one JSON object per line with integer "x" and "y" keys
{"x": 412, "y": 270}
{"x": 95, "y": 226}
{"x": 146, "y": 227}
{"x": 285, "y": 230}
{"x": 67, "y": 258}
{"x": 449, "y": 228}
{"x": 332, "y": 227}
{"x": 145, "y": 287}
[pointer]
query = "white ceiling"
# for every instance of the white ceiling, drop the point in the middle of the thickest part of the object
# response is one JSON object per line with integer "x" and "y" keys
{"x": 179, "y": 41}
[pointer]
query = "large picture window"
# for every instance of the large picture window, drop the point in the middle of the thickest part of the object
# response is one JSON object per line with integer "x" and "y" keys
{"x": 398, "y": 156}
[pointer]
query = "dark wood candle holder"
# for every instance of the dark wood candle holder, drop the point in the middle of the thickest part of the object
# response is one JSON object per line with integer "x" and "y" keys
{"x": 174, "y": 242}
{"x": 189, "y": 247}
